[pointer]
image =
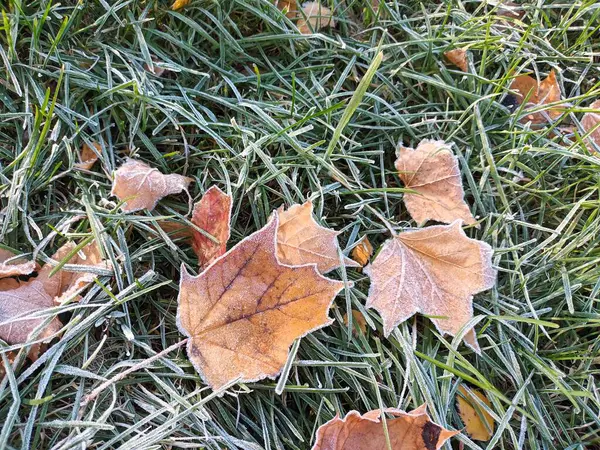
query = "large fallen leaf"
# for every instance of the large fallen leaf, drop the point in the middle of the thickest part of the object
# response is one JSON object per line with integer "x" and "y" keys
{"x": 316, "y": 16}
{"x": 458, "y": 57}
{"x": 407, "y": 431}
{"x": 22, "y": 299}
{"x": 435, "y": 271}
{"x": 211, "y": 214}
{"x": 478, "y": 422}
{"x": 431, "y": 170}
{"x": 538, "y": 94}
{"x": 301, "y": 240}
{"x": 88, "y": 157}
{"x": 591, "y": 121}
{"x": 140, "y": 186}
{"x": 11, "y": 266}
{"x": 245, "y": 310}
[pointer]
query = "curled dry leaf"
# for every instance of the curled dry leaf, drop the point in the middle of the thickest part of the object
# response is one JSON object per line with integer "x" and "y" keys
{"x": 431, "y": 170}
{"x": 591, "y": 121}
{"x": 478, "y": 422}
{"x": 538, "y": 94}
{"x": 22, "y": 299}
{"x": 11, "y": 266}
{"x": 213, "y": 215}
{"x": 179, "y": 4}
{"x": 457, "y": 57}
{"x": 140, "y": 186}
{"x": 301, "y": 240}
{"x": 407, "y": 431}
{"x": 435, "y": 271}
{"x": 245, "y": 310}
{"x": 316, "y": 16}
{"x": 88, "y": 157}
{"x": 362, "y": 252}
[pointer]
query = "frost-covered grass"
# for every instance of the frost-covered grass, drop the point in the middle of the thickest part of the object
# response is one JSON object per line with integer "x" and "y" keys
{"x": 250, "y": 105}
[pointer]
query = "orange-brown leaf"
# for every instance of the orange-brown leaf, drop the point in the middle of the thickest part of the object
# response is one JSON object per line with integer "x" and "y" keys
{"x": 432, "y": 171}
{"x": 301, "y": 240}
{"x": 11, "y": 266}
{"x": 591, "y": 121}
{"x": 435, "y": 271}
{"x": 19, "y": 300}
{"x": 245, "y": 310}
{"x": 140, "y": 186}
{"x": 179, "y": 4}
{"x": 363, "y": 251}
{"x": 317, "y": 17}
{"x": 88, "y": 157}
{"x": 407, "y": 431}
{"x": 478, "y": 422}
{"x": 538, "y": 94}
{"x": 458, "y": 57}
{"x": 211, "y": 214}
{"x": 358, "y": 320}
{"x": 290, "y": 7}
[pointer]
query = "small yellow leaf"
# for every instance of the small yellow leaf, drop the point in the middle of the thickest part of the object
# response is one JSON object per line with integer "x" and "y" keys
{"x": 478, "y": 422}
{"x": 363, "y": 251}
{"x": 179, "y": 4}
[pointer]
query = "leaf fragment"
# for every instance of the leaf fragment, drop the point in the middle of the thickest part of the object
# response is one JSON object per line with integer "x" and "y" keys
{"x": 432, "y": 171}
{"x": 289, "y": 7}
{"x": 243, "y": 312}
{"x": 179, "y": 4}
{"x": 591, "y": 121}
{"x": 457, "y": 57}
{"x": 434, "y": 271}
{"x": 213, "y": 215}
{"x": 478, "y": 422}
{"x": 407, "y": 431}
{"x": 19, "y": 300}
{"x": 11, "y": 266}
{"x": 87, "y": 156}
{"x": 358, "y": 320}
{"x": 363, "y": 251}
{"x": 301, "y": 240}
{"x": 538, "y": 94}
{"x": 315, "y": 17}
{"x": 140, "y": 186}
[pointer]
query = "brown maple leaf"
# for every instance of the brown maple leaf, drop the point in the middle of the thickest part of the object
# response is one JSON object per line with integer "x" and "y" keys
{"x": 315, "y": 17}
{"x": 245, "y": 310}
{"x": 407, "y": 431}
{"x": 11, "y": 265}
{"x": 591, "y": 121}
{"x": 211, "y": 214}
{"x": 140, "y": 186}
{"x": 457, "y": 57}
{"x": 435, "y": 271}
{"x": 88, "y": 157}
{"x": 431, "y": 170}
{"x": 538, "y": 94}
{"x": 20, "y": 300}
{"x": 301, "y": 240}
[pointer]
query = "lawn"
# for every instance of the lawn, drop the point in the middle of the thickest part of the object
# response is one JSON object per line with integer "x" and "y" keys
{"x": 275, "y": 117}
